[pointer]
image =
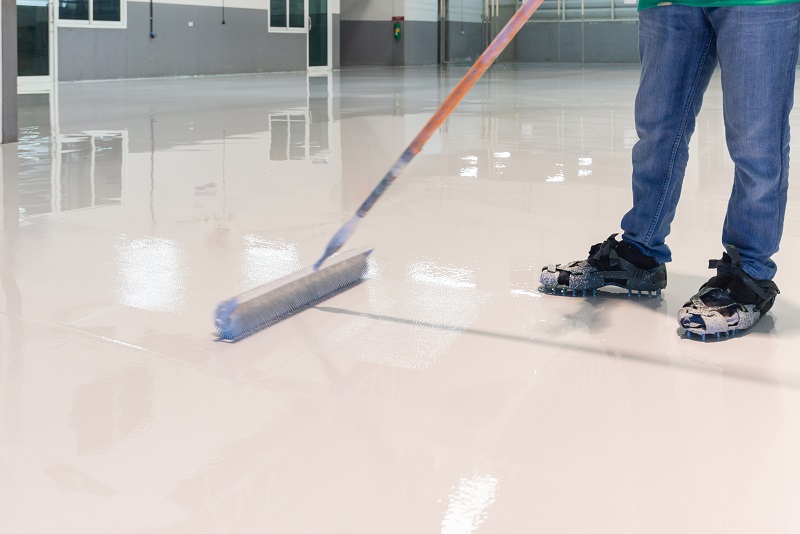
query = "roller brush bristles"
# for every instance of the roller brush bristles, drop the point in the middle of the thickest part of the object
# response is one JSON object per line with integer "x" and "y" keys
{"x": 259, "y": 308}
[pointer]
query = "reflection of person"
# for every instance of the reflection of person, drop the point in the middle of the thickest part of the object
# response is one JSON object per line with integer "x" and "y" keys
{"x": 756, "y": 47}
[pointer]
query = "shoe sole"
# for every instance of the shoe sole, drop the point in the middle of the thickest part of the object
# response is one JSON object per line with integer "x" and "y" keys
{"x": 565, "y": 291}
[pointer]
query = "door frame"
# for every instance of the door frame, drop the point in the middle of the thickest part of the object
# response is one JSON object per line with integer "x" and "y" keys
{"x": 329, "y": 16}
{"x": 44, "y": 84}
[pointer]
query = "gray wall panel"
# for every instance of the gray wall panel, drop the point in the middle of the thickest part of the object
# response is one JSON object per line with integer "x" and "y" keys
{"x": 8, "y": 77}
{"x": 576, "y": 42}
{"x": 538, "y": 43}
{"x": 611, "y": 42}
{"x": 421, "y": 41}
{"x": 465, "y": 41}
{"x": 368, "y": 44}
{"x": 570, "y": 43}
{"x": 241, "y": 45}
{"x": 509, "y": 55}
{"x": 372, "y": 43}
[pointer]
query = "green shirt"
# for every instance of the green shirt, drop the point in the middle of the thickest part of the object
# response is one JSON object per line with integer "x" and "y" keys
{"x": 643, "y": 4}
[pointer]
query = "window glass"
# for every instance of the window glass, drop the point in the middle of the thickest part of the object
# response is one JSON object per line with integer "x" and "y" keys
{"x": 277, "y": 13}
{"x": 33, "y": 44}
{"x": 90, "y": 10}
{"x": 106, "y": 10}
{"x": 297, "y": 16}
{"x": 73, "y": 9}
{"x": 286, "y": 14}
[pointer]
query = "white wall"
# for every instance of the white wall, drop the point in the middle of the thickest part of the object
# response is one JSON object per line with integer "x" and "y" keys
{"x": 419, "y": 10}
{"x": 333, "y": 5}
{"x": 371, "y": 9}
{"x": 249, "y": 4}
{"x": 426, "y": 10}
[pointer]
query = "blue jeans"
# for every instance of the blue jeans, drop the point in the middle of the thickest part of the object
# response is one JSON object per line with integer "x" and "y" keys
{"x": 679, "y": 47}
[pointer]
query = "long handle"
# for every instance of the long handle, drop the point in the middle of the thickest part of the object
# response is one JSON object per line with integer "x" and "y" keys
{"x": 456, "y": 95}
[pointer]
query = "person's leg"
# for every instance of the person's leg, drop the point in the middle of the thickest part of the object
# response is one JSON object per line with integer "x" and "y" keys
{"x": 757, "y": 48}
{"x": 678, "y": 55}
{"x": 677, "y": 49}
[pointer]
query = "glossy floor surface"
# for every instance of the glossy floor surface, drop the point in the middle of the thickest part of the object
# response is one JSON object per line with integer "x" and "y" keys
{"x": 444, "y": 394}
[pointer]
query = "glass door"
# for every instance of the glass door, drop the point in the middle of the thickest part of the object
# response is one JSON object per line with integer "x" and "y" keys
{"x": 35, "y": 54}
{"x": 319, "y": 35}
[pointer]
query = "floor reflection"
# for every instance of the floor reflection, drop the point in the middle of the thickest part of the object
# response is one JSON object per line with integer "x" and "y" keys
{"x": 35, "y": 155}
{"x": 445, "y": 393}
{"x": 78, "y": 158}
{"x": 65, "y": 171}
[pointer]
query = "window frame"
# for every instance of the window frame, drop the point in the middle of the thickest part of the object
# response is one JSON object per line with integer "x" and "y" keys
{"x": 287, "y": 28}
{"x": 576, "y": 11}
{"x": 75, "y": 23}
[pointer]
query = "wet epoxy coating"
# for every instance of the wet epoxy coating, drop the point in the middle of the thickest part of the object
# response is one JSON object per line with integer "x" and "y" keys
{"x": 445, "y": 394}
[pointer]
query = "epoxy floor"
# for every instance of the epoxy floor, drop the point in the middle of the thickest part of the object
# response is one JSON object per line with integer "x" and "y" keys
{"x": 445, "y": 394}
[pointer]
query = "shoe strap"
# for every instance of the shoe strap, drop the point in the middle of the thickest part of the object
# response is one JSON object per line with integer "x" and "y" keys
{"x": 732, "y": 266}
{"x": 607, "y": 250}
